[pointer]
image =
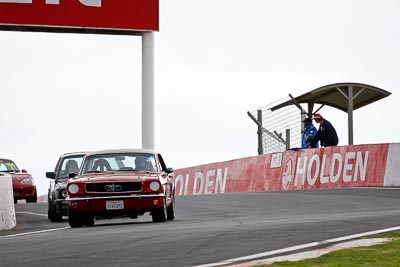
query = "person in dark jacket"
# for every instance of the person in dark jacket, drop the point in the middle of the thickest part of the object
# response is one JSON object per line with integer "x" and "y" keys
{"x": 326, "y": 133}
{"x": 309, "y": 133}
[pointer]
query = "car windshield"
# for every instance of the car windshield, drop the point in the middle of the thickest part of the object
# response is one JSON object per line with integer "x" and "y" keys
{"x": 69, "y": 165}
{"x": 119, "y": 162}
{"x": 7, "y": 165}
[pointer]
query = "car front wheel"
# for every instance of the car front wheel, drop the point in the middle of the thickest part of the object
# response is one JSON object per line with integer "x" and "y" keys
{"x": 51, "y": 212}
{"x": 88, "y": 219}
{"x": 171, "y": 210}
{"x": 32, "y": 199}
{"x": 160, "y": 215}
{"x": 75, "y": 219}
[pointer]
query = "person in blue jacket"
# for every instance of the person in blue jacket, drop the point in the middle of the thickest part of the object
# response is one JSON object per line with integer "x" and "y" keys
{"x": 309, "y": 134}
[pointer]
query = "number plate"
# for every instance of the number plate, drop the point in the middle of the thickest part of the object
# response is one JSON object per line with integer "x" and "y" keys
{"x": 115, "y": 205}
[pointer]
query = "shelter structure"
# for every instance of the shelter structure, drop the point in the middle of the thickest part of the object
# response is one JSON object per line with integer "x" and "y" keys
{"x": 344, "y": 96}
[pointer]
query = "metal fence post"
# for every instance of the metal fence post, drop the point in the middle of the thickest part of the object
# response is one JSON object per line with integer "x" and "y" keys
{"x": 260, "y": 132}
{"x": 302, "y": 116}
{"x": 287, "y": 138}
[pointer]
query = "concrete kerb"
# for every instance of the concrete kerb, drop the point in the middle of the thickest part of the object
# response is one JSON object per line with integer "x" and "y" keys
{"x": 7, "y": 209}
{"x": 314, "y": 253}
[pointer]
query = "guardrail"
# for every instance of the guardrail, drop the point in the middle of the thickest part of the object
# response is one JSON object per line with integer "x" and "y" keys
{"x": 7, "y": 210}
{"x": 331, "y": 167}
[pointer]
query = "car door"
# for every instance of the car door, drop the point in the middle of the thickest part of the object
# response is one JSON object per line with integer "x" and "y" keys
{"x": 167, "y": 178}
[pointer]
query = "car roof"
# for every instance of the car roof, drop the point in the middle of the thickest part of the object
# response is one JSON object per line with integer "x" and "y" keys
{"x": 74, "y": 154}
{"x": 124, "y": 150}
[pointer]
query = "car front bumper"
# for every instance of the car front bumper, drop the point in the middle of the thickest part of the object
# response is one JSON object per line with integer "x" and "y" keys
{"x": 130, "y": 203}
{"x": 22, "y": 192}
{"x": 61, "y": 206}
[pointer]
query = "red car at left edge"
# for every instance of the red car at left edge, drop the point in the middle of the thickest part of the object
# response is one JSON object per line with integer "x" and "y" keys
{"x": 23, "y": 183}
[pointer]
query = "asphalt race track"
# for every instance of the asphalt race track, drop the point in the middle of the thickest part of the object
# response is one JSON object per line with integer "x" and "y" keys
{"x": 207, "y": 229}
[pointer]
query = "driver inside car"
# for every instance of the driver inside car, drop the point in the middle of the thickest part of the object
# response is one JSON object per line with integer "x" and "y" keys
{"x": 142, "y": 163}
{"x": 71, "y": 167}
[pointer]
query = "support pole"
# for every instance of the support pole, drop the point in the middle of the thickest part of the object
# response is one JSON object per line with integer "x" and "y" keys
{"x": 260, "y": 133}
{"x": 350, "y": 114}
{"x": 287, "y": 138}
{"x": 302, "y": 116}
{"x": 148, "y": 90}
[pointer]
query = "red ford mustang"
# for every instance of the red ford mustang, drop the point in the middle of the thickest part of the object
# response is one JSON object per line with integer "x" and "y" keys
{"x": 125, "y": 182}
{"x": 23, "y": 184}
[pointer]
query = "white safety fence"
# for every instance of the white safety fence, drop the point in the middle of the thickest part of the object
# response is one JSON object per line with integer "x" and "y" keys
{"x": 7, "y": 210}
{"x": 280, "y": 129}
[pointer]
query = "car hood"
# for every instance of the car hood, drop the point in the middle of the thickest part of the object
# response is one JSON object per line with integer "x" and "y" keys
{"x": 115, "y": 176}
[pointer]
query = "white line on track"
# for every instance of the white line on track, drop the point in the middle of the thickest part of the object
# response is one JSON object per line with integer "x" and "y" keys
{"x": 31, "y": 213}
{"x": 35, "y": 232}
{"x": 376, "y": 187}
{"x": 294, "y": 248}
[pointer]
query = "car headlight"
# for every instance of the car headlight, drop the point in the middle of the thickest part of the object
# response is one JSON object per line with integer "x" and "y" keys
{"x": 61, "y": 185}
{"x": 73, "y": 188}
{"x": 27, "y": 181}
{"x": 64, "y": 193}
{"x": 155, "y": 186}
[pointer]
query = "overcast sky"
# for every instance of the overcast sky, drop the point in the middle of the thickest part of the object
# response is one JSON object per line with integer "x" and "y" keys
{"x": 215, "y": 60}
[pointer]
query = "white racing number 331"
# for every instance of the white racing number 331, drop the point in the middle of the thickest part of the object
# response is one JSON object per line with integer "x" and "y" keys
{"x": 92, "y": 3}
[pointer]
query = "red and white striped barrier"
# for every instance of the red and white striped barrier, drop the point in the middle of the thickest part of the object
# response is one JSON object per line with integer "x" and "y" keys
{"x": 331, "y": 167}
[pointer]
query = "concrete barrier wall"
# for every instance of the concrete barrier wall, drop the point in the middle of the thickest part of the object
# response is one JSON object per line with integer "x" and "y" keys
{"x": 7, "y": 210}
{"x": 332, "y": 167}
{"x": 392, "y": 175}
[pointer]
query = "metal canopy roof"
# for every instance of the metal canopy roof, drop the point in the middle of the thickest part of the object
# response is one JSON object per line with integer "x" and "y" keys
{"x": 344, "y": 96}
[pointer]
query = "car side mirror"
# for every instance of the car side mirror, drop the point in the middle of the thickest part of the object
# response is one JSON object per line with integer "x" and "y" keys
{"x": 169, "y": 170}
{"x": 24, "y": 171}
{"x": 51, "y": 175}
{"x": 71, "y": 175}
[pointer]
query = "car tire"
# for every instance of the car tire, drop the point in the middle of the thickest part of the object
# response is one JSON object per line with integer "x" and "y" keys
{"x": 32, "y": 199}
{"x": 171, "y": 210}
{"x": 88, "y": 219}
{"x": 15, "y": 200}
{"x": 160, "y": 215}
{"x": 51, "y": 212}
{"x": 75, "y": 219}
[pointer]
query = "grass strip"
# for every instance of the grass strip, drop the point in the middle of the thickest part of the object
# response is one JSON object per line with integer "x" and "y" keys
{"x": 382, "y": 255}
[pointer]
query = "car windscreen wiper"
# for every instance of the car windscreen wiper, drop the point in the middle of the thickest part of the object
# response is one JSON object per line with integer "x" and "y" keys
{"x": 100, "y": 172}
{"x": 128, "y": 169}
{"x": 146, "y": 171}
{"x": 93, "y": 171}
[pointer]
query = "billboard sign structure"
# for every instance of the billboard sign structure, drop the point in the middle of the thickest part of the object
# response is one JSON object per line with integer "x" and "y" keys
{"x": 86, "y": 16}
{"x": 129, "y": 17}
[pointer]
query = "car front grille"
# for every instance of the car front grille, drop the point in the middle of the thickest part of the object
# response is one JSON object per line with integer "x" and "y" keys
{"x": 116, "y": 187}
